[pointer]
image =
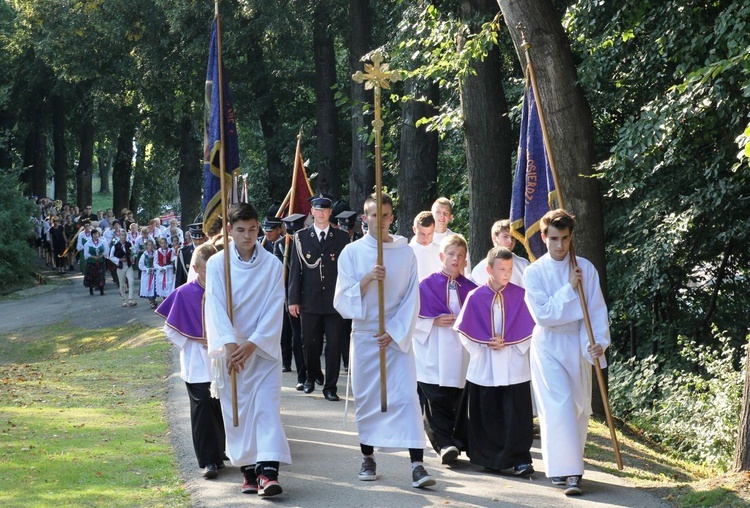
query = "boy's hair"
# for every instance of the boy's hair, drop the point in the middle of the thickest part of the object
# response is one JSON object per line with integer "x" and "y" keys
{"x": 145, "y": 229}
{"x": 443, "y": 202}
{"x": 202, "y": 253}
{"x": 498, "y": 253}
{"x": 558, "y": 219}
{"x": 241, "y": 212}
{"x": 500, "y": 226}
{"x": 385, "y": 199}
{"x": 451, "y": 240}
{"x": 424, "y": 219}
{"x": 151, "y": 242}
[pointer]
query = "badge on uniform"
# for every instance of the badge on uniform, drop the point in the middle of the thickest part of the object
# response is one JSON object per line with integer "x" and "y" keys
{"x": 307, "y": 255}
{"x": 333, "y": 256}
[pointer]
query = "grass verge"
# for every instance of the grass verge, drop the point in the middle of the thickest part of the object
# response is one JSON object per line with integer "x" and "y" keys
{"x": 82, "y": 419}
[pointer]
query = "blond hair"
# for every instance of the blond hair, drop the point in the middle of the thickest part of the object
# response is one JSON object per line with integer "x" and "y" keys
{"x": 454, "y": 240}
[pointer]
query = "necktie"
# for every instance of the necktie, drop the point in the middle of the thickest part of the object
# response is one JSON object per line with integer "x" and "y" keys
{"x": 322, "y": 238}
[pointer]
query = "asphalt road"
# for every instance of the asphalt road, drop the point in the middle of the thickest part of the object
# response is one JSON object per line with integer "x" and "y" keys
{"x": 325, "y": 450}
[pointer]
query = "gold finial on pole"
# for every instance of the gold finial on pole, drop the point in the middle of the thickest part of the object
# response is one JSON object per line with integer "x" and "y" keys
{"x": 379, "y": 76}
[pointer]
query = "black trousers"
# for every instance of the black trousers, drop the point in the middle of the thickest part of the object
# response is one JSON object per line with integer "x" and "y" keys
{"x": 207, "y": 424}
{"x": 299, "y": 357}
{"x": 286, "y": 341}
{"x": 439, "y": 406}
{"x": 314, "y": 327}
{"x": 346, "y": 340}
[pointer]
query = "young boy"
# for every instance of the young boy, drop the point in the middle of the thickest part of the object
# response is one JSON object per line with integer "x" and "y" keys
{"x": 250, "y": 345}
{"x": 356, "y": 298}
{"x": 442, "y": 211}
{"x": 561, "y": 356}
{"x": 147, "y": 266}
{"x": 495, "y": 422}
{"x": 441, "y": 359}
{"x": 427, "y": 253}
{"x": 501, "y": 237}
{"x": 183, "y": 311}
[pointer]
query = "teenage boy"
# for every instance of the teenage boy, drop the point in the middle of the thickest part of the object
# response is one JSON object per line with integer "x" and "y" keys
{"x": 442, "y": 211}
{"x": 501, "y": 237}
{"x": 561, "y": 356}
{"x": 440, "y": 356}
{"x": 427, "y": 252}
{"x": 495, "y": 419}
{"x": 249, "y": 345}
{"x": 356, "y": 298}
{"x": 183, "y": 311}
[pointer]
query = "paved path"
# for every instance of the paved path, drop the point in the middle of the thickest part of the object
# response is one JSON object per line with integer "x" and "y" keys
{"x": 324, "y": 449}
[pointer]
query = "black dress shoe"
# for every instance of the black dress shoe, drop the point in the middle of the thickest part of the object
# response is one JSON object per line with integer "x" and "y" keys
{"x": 299, "y": 386}
{"x": 209, "y": 472}
{"x": 286, "y": 369}
{"x": 319, "y": 379}
{"x": 331, "y": 396}
{"x": 309, "y": 388}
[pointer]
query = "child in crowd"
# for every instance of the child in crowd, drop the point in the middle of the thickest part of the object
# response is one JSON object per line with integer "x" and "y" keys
{"x": 147, "y": 266}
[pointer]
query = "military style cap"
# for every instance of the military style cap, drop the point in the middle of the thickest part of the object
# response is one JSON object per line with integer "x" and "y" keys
{"x": 270, "y": 223}
{"x": 294, "y": 222}
{"x": 348, "y": 219}
{"x": 196, "y": 230}
{"x": 321, "y": 202}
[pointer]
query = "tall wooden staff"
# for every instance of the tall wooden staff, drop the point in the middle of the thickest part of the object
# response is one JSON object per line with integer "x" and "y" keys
{"x": 377, "y": 77}
{"x": 224, "y": 208}
{"x": 574, "y": 264}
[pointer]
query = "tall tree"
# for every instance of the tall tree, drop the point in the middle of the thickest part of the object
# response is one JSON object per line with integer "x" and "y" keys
{"x": 60, "y": 161}
{"x": 487, "y": 133}
{"x": 122, "y": 169}
{"x": 191, "y": 168}
{"x": 86, "y": 137}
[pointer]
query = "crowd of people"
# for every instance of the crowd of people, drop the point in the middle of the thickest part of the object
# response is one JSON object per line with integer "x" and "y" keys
{"x": 470, "y": 354}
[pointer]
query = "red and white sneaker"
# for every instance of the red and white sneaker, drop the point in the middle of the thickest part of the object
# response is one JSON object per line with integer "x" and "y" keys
{"x": 250, "y": 485}
{"x": 268, "y": 487}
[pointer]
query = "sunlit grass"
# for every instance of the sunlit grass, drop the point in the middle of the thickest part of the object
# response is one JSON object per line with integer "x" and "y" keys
{"x": 82, "y": 419}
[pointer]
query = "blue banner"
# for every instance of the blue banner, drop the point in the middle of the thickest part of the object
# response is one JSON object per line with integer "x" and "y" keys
{"x": 212, "y": 140}
{"x": 534, "y": 192}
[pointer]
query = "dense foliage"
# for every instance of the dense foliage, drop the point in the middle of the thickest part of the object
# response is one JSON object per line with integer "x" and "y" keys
{"x": 16, "y": 256}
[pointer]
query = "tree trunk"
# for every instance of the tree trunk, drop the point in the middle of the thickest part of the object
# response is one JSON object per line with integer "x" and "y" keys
{"x": 418, "y": 155}
{"x": 60, "y": 162}
{"x": 135, "y": 194}
{"x": 34, "y": 175}
{"x": 742, "y": 446}
{"x": 104, "y": 162}
{"x": 329, "y": 177}
{"x": 487, "y": 135}
{"x": 361, "y": 173}
{"x": 190, "y": 172}
{"x": 84, "y": 194}
{"x": 569, "y": 125}
{"x": 122, "y": 169}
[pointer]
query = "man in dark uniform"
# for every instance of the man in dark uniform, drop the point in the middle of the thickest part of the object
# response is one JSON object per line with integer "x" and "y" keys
{"x": 185, "y": 254}
{"x": 292, "y": 224}
{"x": 312, "y": 280}
{"x": 347, "y": 221}
{"x": 273, "y": 229}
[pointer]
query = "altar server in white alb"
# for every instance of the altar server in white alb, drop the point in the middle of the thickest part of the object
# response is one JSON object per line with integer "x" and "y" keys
{"x": 441, "y": 358}
{"x": 356, "y": 298}
{"x": 501, "y": 237}
{"x": 427, "y": 252}
{"x": 251, "y": 346}
{"x": 561, "y": 356}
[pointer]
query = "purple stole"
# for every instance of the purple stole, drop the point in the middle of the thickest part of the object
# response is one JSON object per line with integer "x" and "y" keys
{"x": 477, "y": 319}
{"x": 434, "y": 294}
{"x": 183, "y": 309}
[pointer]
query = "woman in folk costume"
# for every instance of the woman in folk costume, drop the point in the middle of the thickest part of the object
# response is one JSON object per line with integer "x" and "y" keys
{"x": 494, "y": 422}
{"x": 95, "y": 253}
{"x": 58, "y": 241}
{"x": 147, "y": 266}
{"x": 165, "y": 269}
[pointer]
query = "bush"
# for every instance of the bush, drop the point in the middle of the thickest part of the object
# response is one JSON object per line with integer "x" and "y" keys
{"x": 692, "y": 411}
{"x": 16, "y": 257}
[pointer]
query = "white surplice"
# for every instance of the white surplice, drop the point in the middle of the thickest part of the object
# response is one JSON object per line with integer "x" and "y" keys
{"x": 194, "y": 364}
{"x": 401, "y": 426}
{"x": 480, "y": 276}
{"x": 428, "y": 258}
{"x": 258, "y": 303}
{"x": 560, "y": 363}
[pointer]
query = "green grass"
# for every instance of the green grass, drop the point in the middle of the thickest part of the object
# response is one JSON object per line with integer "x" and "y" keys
{"x": 82, "y": 419}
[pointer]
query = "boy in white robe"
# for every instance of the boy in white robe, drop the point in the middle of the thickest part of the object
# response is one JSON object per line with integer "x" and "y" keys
{"x": 427, "y": 252}
{"x": 561, "y": 356}
{"x": 249, "y": 345}
{"x": 356, "y": 298}
{"x": 441, "y": 358}
{"x": 442, "y": 211}
{"x": 501, "y": 237}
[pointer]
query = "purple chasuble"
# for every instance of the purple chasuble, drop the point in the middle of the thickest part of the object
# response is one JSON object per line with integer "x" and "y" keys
{"x": 434, "y": 294}
{"x": 477, "y": 319}
{"x": 183, "y": 310}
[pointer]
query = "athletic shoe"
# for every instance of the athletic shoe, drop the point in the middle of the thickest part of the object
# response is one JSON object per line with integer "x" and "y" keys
{"x": 573, "y": 486}
{"x": 420, "y": 478}
{"x": 268, "y": 487}
{"x": 367, "y": 471}
{"x": 209, "y": 472}
{"x": 250, "y": 485}
{"x": 448, "y": 454}
{"x": 521, "y": 470}
{"x": 132, "y": 303}
{"x": 559, "y": 480}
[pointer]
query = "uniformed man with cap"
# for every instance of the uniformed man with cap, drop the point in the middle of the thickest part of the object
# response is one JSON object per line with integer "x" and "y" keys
{"x": 185, "y": 254}
{"x": 273, "y": 230}
{"x": 273, "y": 242}
{"x": 292, "y": 224}
{"x": 312, "y": 280}
{"x": 347, "y": 221}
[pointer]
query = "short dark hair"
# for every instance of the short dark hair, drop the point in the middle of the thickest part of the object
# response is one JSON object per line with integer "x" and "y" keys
{"x": 385, "y": 199}
{"x": 558, "y": 219}
{"x": 241, "y": 211}
{"x": 498, "y": 253}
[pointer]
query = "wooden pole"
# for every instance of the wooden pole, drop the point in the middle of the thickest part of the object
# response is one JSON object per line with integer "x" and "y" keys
{"x": 224, "y": 208}
{"x": 581, "y": 295}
